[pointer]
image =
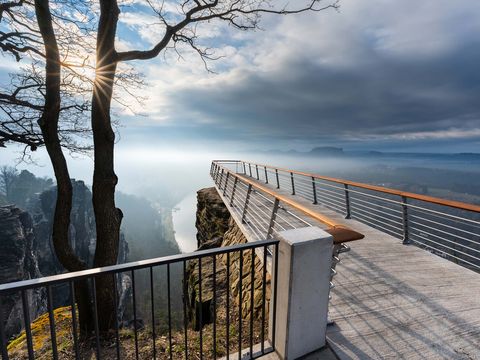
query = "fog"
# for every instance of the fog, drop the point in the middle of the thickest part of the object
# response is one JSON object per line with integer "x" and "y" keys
{"x": 169, "y": 179}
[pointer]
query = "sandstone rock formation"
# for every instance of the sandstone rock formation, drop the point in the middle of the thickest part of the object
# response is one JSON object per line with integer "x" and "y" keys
{"x": 26, "y": 250}
{"x": 18, "y": 261}
{"x": 217, "y": 228}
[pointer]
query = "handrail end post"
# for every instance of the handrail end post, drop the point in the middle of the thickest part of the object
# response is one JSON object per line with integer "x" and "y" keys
{"x": 303, "y": 286}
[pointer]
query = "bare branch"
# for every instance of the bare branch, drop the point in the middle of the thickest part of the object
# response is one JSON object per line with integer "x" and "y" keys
{"x": 242, "y": 14}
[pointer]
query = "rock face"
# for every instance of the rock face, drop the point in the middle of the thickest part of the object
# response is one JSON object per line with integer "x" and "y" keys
{"x": 18, "y": 261}
{"x": 26, "y": 249}
{"x": 212, "y": 219}
{"x": 217, "y": 228}
{"x": 81, "y": 232}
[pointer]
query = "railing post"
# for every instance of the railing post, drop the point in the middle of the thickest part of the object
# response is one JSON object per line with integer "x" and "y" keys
{"x": 233, "y": 191}
{"x": 256, "y": 168}
{"x": 314, "y": 191}
{"x": 211, "y": 168}
{"x": 247, "y": 199}
{"x": 250, "y": 169}
{"x": 272, "y": 218}
{"x": 226, "y": 184}
{"x": 217, "y": 172}
{"x": 406, "y": 239}
{"x": 293, "y": 183}
{"x": 278, "y": 181}
{"x": 266, "y": 175}
{"x": 302, "y": 282}
{"x": 220, "y": 180}
{"x": 347, "y": 203}
{"x": 244, "y": 169}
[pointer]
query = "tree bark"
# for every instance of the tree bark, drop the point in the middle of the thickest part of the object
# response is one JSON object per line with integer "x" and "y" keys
{"x": 108, "y": 217}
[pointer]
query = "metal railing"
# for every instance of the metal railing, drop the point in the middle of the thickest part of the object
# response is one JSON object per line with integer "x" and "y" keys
{"x": 447, "y": 228}
{"x": 263, "y": 211}
{"x": 238, "y": 331}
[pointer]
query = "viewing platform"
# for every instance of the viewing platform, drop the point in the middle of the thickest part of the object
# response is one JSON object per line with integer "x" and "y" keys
{"x": 390, "y": 299}
{"x": 292, "y": 265}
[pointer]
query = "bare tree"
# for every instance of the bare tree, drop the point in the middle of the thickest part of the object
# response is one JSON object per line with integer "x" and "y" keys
{"x": 47, "y": 101}
{"x": 179, "y": 28}
{"x": 8, "y": 174}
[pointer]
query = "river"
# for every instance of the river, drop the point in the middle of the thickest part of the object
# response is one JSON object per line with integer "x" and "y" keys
{"x": 184, "y": 216}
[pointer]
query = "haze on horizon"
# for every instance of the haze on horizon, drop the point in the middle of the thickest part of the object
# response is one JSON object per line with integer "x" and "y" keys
{"x": 387, "y": 75}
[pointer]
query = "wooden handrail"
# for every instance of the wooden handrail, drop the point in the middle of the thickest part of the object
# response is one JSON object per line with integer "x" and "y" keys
{"x": 385, "y": 190}
{"x": 339, "y": 232}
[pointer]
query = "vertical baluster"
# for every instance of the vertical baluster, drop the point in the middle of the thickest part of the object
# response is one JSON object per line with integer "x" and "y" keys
{"x": 228, "y": 305}
{"x": 406, "y": 239}
{"x": 247, "y": 199}
{"x": 256, "y": 168}
{"x": 51, "y": 318}
{"x": 152, "y": 302}
{"x": 26, "y": 319}
{"x": 233, "y": 190}
{"x": 134, "y": 303}
{"x": 217, "y": 175}
{"x": 293, "y": 183}
{"x": 169, "y": 313}
{"x": 226, "y": 184}
{"x": 250, "y": 169}
{"x": 74, "y": 319}
{"x": 214, "y": 274}
{"x": 347, "y": 203}
{"x": 272, "y": 218}
{"x": 201, "y": 307}
{"x": 95, "y": 314}
{"x": 278, "y": 180}
{"x": 220, "y": 180}
{"x": 314, "y": 188}
{"x": 252, "y": 288}
{"x": 3, "y": 337}
{"x": 264, "y": 290}
{"x": 185, "y": 299}
{"x": 115, "y": 301}
{"x": 275, "y": 281}
{"x": 240, "y": 286}
{"x": 244, "y": 169}
{"x": 266, "y": 175}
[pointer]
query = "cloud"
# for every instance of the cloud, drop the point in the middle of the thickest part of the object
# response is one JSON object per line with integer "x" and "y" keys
{"x": 382, "y": 69}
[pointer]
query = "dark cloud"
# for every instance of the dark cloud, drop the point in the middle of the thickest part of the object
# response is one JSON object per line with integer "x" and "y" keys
{"x": 385, "y": 96}
{"x": 377, "y": 75}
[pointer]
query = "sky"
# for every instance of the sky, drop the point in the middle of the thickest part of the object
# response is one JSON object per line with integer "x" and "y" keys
{"x": 382, "y": 75}
{"x": 375, "y": 75}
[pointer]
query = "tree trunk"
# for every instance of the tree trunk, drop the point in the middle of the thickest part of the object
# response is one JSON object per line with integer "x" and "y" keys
{"x": 48, "y": 123}
{"x": 108, "y": 217}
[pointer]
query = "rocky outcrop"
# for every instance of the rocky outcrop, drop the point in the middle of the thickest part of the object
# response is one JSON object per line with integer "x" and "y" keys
{"x": 18, "y": 261}
{"x": 217, "y": 228}
{"x": 81, "y": 232}
{"x": 26, "y": 250}
{"x": 212, "y": 219}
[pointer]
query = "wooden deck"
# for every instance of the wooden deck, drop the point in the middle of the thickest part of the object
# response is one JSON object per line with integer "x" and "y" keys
{"x": 394, "y": 301}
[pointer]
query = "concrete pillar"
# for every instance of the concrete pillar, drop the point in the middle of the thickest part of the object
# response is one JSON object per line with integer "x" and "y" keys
{"x": 303, "y": 285}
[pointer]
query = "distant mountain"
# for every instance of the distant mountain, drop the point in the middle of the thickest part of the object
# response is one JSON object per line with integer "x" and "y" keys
{"x": 326, "y": 150}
